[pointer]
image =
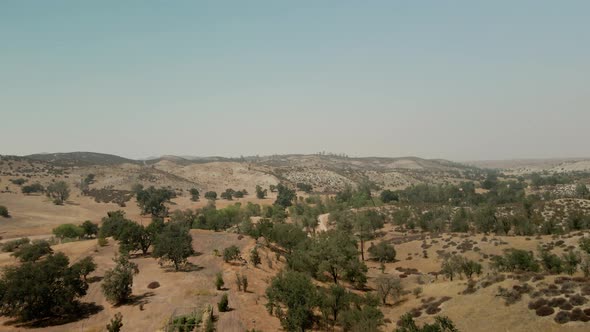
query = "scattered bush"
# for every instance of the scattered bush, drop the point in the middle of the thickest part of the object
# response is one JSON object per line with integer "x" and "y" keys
{"x": 116, "y": 323}
{"x": 219, "y": 283}
{"x": 545, "y": 311}
{"x": 33, "y": 188}
{"x": 153, "y": 285}
{"x": 12, "y": 245}
{"x": 562, "y": 317}
{"x": 4, "y": 211}
{"x": 223, "y": 304}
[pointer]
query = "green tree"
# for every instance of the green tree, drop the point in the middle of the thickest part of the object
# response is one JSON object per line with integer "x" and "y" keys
{"x": 228, "y": 194}
{"x": 470, "y": 267}
{"x": 285, "y": 196}
{"x": 363, "y": 316}
{"x": 260, "y": 193}
{"x": 152, "y": 200}
{"x": 134, "y": 237}
{"x": 287, "y": 236}
{"x": 582, "y": 191}
{"x": 85, "y": 266}
{"x": 305, "y": 187}
{"x": 59, "y": 192}
{"x": 194, "y": 194}
{"x": 35, "y": 290}
{"x": 31, "y": 252}
{"x": 231, "y": 253}
{"x": 118, "y": 282}
{"x": 114, "y": 224}
{"x": 388, "y": 285}
{"x": 211, "y": 195}
{"x": 335, "y": 253}
{"x": 89, "y": 229}
{"x": 485, "y": 219}
{"x": 68, "y": 231}
{"x": 174, "y": 244}
{"x": 452, "y": 265}
{"x": 388, "y": 196}
{"x": 33, "y": 188}
{"x": 334, "y": 300}
{"x": 382, "y": 252}
{"x": 292, "y": 298}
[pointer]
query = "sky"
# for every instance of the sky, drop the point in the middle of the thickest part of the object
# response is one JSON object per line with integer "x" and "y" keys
{"x": 460, "y": 80}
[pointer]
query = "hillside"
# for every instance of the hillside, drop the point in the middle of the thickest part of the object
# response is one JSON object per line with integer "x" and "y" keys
{"x": 325, "y": 173}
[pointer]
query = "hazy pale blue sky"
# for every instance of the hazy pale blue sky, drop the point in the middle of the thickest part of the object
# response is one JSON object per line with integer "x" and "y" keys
{"x": 461, "y": 80}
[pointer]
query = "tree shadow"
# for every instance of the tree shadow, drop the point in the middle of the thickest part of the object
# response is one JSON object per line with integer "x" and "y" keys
{"x": 140, "y": 300}
{"x": 82, "y": 311}
{"x": 94, "y": 279}
{"x": 188, "y": 267}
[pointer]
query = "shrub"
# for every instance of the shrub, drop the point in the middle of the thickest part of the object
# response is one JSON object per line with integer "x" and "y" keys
{"x": 11, "y": 246}
{"x": 245, "y": 283}
{"x": 4, "y": 211}
{"x": 219, "y": 283}
{"x": 102, "y": 241}
{"x": 33, "y": 188}
{"x": 417, "y": 291}
{"x": 562, "y": 317}
{"x": 260, "y": 193}
{"x": 228, "y": 194}
{"x": 388, "y": 196}
{"x": 194, "y": 194}
{"x": 153, "y": 285}
{"x": 223, "y": 304}
{"x": 545, "y": 311}
{"x": 382, "y": 252}
{"x": 255, "y": 257}
{"x": 211, "y": 195}
{"x": 534, "y": 305}
{"x": 116, "y": 323}
{"x": 231, "y": 253}
{"x": 19, "y": 181}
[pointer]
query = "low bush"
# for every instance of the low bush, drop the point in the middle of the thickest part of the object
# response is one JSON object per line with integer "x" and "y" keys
{"x": 4, "y": 211}
{"x": 223, "y": 304}
{"x": 545, "y": 311}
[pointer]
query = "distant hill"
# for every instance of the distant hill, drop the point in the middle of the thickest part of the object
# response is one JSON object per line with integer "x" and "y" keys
{"x": 81, "y": 159}
{"x": 536, "y": 165}
{"x": 325, "y": 172}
